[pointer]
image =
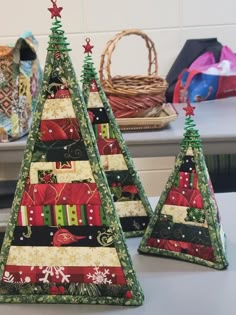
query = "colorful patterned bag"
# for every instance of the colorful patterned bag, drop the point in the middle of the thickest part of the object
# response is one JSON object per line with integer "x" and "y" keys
{"x": 207, "y": 79}
{"x": 20, "y": 76}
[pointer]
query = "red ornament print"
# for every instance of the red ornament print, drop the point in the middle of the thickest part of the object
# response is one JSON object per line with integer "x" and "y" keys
{"x": 64, "y": 237}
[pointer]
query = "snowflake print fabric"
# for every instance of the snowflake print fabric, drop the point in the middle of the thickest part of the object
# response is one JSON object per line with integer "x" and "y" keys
{"x": 64, "y": 275}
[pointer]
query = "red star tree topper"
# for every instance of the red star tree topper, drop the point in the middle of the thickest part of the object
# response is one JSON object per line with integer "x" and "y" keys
{"x": 189, "y": 109}
{"x": 88, "y": 48}
{"x": 55, "y": 10}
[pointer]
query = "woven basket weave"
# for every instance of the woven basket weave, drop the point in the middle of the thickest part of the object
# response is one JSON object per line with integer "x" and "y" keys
{"x": 133, "y": 96}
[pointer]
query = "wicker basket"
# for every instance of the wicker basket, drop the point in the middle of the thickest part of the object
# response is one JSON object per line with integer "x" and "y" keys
{"x": 167, "y": 114}
{"x": 133, "y": 96}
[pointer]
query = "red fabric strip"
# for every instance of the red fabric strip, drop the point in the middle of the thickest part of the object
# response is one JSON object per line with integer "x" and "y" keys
{"x": 97, "y": 275}
{"x": 93, "y": 215}
{"x": 188, "y": 180}
{"x": 20, "y": 221}
{"x": 75, "y": 193}
{"x": 108, "y": 146}
{"x": 98, "y": 131}
{"x": 184, "y": 197}
{"x": 59, "y": 129}
{"x": 195, "y": 181}
{"x": 183, "y": 178}
{"x": 192, "y": 249}
{"x": 35, "y": 216}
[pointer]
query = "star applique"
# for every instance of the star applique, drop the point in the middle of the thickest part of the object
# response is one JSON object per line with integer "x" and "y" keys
{"x": 63, "y": 165}
{"x": 55, "y": 10}
{"x": 189, "y": 109}
{"x": 88, "y": 48}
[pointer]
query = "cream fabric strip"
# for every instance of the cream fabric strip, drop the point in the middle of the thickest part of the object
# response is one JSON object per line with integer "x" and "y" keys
{"x": 79, "y": 170}
{"x": 94, "y": 100}
{"x": 63, "y": 256}
{"x": 130, "y": 208}
{"x": 59, "y": 108}
{"x": 179, "y": 214}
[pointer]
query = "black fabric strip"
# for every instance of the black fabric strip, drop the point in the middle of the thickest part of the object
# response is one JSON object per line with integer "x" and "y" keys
{"x": 181, "y": 232}
{"x": 100, "y": 115}
{"x": 122, "y": 177}
{"x": 65, "y": 236}
{"x": 119, "y": 195}
{"x": 188, "y": 164}
{"x": 59, "y": 151}
{"x": 130, "y": 224}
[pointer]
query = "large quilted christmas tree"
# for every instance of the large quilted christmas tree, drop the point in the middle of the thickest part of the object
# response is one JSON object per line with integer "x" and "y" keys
{"x": 64, "y": 242}
{"x": 187, "y": 224}
{"x": 130, "y": 200}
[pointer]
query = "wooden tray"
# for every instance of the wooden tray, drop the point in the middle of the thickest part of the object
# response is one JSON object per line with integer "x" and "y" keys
{"x": 167, "y": 114}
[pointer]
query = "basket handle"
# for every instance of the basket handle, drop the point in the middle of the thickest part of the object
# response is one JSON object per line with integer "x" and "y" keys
{"x": 105, "y": 61}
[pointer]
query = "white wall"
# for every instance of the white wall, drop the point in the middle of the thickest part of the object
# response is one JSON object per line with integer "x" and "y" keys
{"x": 168, "y": 23}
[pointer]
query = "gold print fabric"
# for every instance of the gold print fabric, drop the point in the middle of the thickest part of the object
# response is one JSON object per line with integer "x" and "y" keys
{"x": 179, "y": 214}
{"x": 94, "y": 101}
{"x": 113, "y": 162}
{"x": 130, "y": 209}
{"x": 70, "y": 256}
{"x": 58, "y": 109}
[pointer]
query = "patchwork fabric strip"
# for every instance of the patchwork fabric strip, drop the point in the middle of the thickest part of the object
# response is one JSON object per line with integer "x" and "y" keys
{"x": 62, "y": 215}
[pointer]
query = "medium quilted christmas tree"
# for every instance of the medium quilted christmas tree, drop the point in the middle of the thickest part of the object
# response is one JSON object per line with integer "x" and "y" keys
{"x": 131, "y": 202}
{"x": 64, "y": 242}
{"x": 186, "y": 224}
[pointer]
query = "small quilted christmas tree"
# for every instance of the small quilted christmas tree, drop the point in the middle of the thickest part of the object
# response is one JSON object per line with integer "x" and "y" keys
{"x": 64, "y": 242}
{"x": 186, "y": 224}
{"x": 130, "y": 200}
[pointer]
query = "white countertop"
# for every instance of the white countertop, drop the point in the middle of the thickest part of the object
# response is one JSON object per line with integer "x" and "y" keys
{"x": 215, "y": 121}
{"x": 171, "y": 287}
